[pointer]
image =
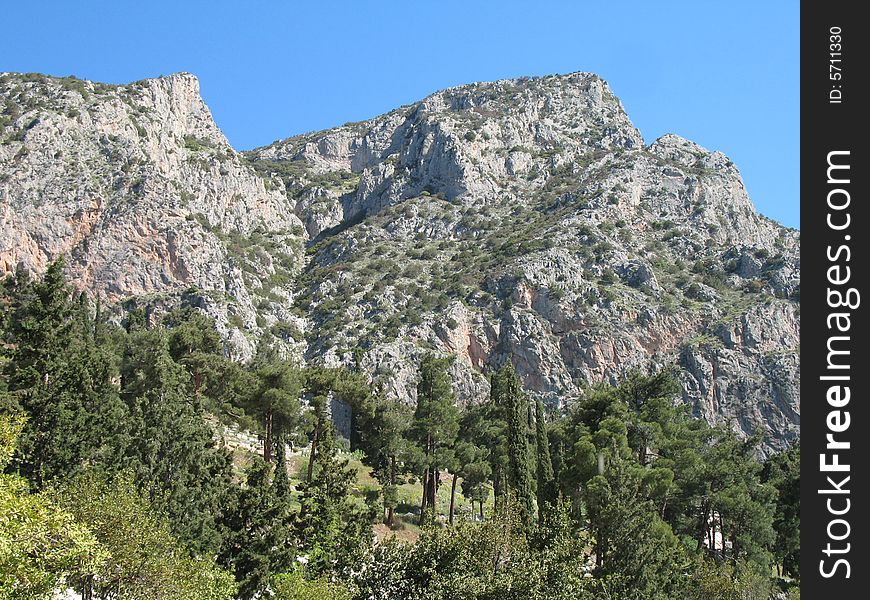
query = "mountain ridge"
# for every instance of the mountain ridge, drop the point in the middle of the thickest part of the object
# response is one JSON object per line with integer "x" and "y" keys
{"x": 521, "y": 220}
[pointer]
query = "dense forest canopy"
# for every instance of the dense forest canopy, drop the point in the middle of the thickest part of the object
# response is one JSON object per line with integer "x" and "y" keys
{"x": 118, "y": 482}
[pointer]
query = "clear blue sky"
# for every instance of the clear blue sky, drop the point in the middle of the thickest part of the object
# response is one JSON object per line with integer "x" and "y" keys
{"x": 724, "y": 74}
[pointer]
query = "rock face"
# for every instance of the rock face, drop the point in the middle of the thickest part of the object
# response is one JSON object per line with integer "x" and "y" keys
{"x": 521, "y": 220}
{"x": 142, "y": 194}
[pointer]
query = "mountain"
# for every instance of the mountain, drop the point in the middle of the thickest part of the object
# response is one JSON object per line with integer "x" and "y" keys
{"x": 141, "y": 192}
{"x": 521, "y": 220}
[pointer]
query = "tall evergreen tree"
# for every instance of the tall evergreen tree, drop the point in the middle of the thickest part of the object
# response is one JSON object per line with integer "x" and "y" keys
{"x": 547, "y": 491}
{"x": 143, "y": 559}
{"x": 322, "y": 385}
{"x": 383, "y": 425}
{"x": 223, "y": 385}
{"x": 738, "y": 502}
{"x": 435, "y": 425}
{"x": 651, "y": 408}
{"x": 61, "y": 376}
{"x": 508, "y": 393}
{"x": 635, "y": 550}
{"x": 782, "y": 471}
{"x": 276, "y": 402}
{"x": 193, "y": 342}
{"x": 169, "y": 447}
{"x": 333, "y": 530}
{"x": 472, "y": 465}
{"x": 484, "y": 425}
{"x": 258, "y": 535}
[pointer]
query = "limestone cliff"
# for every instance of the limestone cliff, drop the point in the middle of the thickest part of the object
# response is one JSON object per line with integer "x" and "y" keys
{"x": 142, "y": 194}
{"x": 521, "y": 220}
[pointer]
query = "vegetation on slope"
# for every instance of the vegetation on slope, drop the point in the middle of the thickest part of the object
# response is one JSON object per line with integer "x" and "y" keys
{"x": 118, "y": 483}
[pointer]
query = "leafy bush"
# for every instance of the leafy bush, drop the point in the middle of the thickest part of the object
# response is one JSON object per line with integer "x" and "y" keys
{"x": 294, "y": 586}
{"x": 195, "y": 144}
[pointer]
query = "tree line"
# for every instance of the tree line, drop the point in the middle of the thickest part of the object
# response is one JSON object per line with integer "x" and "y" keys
{"x": 117, "y": 485}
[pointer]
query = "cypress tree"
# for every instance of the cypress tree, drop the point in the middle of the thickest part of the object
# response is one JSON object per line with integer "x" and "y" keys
{"x": 546, "y": 479}
{"x": 508, "y": 393}
{"x": 783, "y": 473}
{"x": 332, "y": 530}
{"x": 559, "y": 466}
{"x": 60, "y": 376}
{"x": 632, "y": 542}
{"x": 258, "y": 533}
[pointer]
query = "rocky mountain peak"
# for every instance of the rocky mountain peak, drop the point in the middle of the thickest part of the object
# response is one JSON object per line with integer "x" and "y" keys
{"x": 570, "y": 104}
{"x": 136, "y": 186}
{"x": 520, "y": 220}
{"x": 466, "y": 141}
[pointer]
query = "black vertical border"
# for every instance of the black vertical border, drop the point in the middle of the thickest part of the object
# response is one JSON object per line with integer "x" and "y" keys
{"x": 827, "y": 127}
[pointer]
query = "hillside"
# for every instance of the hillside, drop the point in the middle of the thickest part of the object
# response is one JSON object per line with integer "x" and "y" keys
{"x": 522, "y": 220}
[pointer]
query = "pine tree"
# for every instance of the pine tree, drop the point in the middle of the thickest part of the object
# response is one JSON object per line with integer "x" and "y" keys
{"x": 472, "y": 464}
{"x": 193, "y": 342}
{"x": 323, "y": 384}
{"x": 169, "y": 446}
{"x": 741, "y": 505}
{"x": 382, "y": 426}
{"x": 223, "y": 385}
{"x": 435, "y": 425}
{"x": 650, "y": 402}
{"x": 276, "y": 402}
{"x": 702, "y": 482}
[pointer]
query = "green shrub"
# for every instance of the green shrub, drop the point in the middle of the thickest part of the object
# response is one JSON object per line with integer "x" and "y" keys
{"x": 608, "y": 277}
{"x": 236, "y": 321}
{"x": 195, "y": 144}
